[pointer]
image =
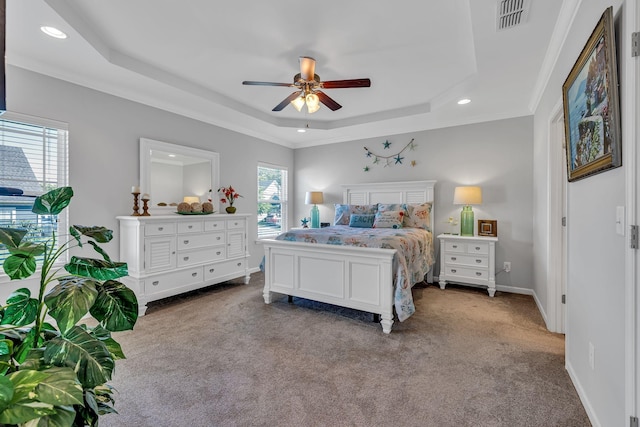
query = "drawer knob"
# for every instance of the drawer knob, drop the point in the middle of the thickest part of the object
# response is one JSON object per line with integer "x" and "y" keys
{"x": 453, "y": 270}
{"x": 218, "y": 238}
{"x": 478, "y": 273}
{"x": 455, "y": 246}
{"x": 478, "y": 261}
{"x": 194, "y": 274}
{"x": 190, "y": 226}
{"x": 235, "y": 223}
{"x": 218, "y": 253}
{"x": 453, "y": 258}
{"x": 155, "y": 283}
{"x": 186, "y": 242}
{"x": 477, "y": 248}
{"x": 186, "y": 258}
{"x": 239, "y": 264}
{"x": 160, "y": 228}
{"x": 211, "y": 270}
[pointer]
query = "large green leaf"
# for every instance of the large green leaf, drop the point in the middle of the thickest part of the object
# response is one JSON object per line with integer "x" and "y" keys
{"x": 21, "y": 309}
{"x": 104, "y": 335}
{"x": 6, "y": 392}
{"x": 53, "y": 202}
{"x": 61, "y": 387}
{"x": 89, "y": 357}
{"x": 28, "y": 343}
{"x": 98, "y": 233}
{"x": 63, "y": 417}
{"x": 25, "y": 410}
{"x": 19, "y": 266}
{"x": 101, "y": 251}
{"x": 28, "y": 248}
{"x": 98, "y": 269}
{"x": 70, "y": 300}
{"x": 11, "y": 237}
{"x": 116, "y": 306}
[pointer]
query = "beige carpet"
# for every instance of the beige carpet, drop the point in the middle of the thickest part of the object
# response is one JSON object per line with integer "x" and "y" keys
{"x": 221, "y": 357}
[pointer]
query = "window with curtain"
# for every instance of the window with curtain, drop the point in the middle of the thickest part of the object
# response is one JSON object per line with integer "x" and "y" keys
{"x": 272, "y": 200}
{"x": 33, "y": 160}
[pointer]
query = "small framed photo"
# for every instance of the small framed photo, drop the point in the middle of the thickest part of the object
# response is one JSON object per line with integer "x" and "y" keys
{"x": 488, "y": 227}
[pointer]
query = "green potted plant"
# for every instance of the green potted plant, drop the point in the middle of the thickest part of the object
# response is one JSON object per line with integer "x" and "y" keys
{"x": 55, "y": 373}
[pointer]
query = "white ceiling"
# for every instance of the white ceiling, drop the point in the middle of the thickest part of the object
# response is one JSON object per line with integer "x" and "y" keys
{"x": 191, "y": 56}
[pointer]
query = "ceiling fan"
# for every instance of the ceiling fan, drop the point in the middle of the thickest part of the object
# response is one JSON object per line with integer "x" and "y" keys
{"x": 308, "y": 85}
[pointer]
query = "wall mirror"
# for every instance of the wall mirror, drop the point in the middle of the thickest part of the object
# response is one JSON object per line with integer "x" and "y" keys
{"x": 171, "y": 172}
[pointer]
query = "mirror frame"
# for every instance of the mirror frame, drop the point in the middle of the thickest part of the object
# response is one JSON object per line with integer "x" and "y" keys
{"x": 148, "y": 145}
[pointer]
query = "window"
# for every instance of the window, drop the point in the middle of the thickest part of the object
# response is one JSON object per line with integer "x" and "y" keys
{"x": 33, "y": 159}
{"x": 272, "y": 200}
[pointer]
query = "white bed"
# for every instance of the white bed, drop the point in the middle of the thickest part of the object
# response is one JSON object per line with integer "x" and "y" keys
{"x": 347, "y": 276}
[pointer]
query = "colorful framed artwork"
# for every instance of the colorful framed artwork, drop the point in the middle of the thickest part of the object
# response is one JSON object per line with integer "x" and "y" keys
{"x": 488, "y": 227}
{"x": 590, "y": 98}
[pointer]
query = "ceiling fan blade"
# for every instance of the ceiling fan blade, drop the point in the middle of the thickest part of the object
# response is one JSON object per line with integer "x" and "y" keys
{"x": 286, "y": 101}
{"x": 250, "y": 83}
{"x": 326, "y": 100}
{"x": 307, "y": 68}
{"x": 341, "y": 84}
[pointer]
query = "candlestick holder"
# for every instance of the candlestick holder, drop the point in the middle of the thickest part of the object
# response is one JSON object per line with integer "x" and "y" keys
{"x": 145, "y": 207}
{"x": 135, "y": 205}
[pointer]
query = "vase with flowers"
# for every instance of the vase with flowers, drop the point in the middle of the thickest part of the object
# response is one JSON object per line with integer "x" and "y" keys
{"x": 230, "y": 196}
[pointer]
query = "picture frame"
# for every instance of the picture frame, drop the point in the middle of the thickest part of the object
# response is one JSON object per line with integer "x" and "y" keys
{"x": 488, "y": 227}
{"x": 590, "y": 97}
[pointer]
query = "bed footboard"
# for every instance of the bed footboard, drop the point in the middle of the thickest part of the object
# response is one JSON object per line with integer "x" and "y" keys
{"x": 346, "y": 276}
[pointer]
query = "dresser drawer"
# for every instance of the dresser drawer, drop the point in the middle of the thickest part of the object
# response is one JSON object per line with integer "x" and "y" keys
{"x": 478, "y": 248}
{"x": 190, "y": 227}
{"x": 457, "y": 247}
{"x": 468, "y": 260}
{"x": 160, "y": 229}
{"x": 193, "y": 241}
{"x": 236, "y": 223}
{"x": 464, "y": 272}
{"x": 213, "y": 271}
{"x": 170, "y": 281}
{"x": 214, "y": 225}
{"x": 198, "y": 256}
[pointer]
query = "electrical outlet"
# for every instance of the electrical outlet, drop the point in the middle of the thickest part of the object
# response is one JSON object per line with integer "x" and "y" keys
{"x": 506, "y": 266}
{"x": 592, "y": 356}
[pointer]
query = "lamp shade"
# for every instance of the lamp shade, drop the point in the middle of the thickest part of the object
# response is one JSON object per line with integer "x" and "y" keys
{"x": 467, "y": 196}
{"x": 314, "y": 198}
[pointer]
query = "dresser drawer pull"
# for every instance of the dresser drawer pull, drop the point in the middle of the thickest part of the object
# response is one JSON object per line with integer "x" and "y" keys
{"x": 186, "y": 258}
{"x": 189, "y": 227}
{"x": 453, "y": 270}
{"x": 160, "y": 228}
{"x": 478, "y": 261}
{"x": 477, "y": 248}
{"x": 218, "y": 253}
{"x": 453, "y": 258}
{"x": 215, "y": 225}
{"x": 218, "y": 238}
{"x": 455, "y": 246}
{"x": 194, "y": 274}
{"x": 211, "y": 270}
{"x": 239, "y": 264}
{"x": 235, "y": 223}
{"x": 186, "y": 242}
{"x": 155, "y": 283}
{"x": 478, "y": 273}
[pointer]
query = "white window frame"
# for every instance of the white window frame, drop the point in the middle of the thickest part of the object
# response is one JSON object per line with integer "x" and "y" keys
{"x": 62, "y": 169}
{"x": 284, "y": 202}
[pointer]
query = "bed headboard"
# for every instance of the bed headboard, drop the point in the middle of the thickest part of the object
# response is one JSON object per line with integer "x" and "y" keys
{"x": 391, "y": 192}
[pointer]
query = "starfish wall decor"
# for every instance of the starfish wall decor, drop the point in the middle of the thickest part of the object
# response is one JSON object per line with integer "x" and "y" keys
{"x": 394, "y": 159}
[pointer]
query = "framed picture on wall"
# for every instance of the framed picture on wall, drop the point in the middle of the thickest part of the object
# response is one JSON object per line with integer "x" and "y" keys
{"x": 488, "y": 227}
{"x": 591, "y": 105}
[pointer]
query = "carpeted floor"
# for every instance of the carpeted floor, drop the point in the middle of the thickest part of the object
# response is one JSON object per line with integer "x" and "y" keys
{"x": 221, "y": 357}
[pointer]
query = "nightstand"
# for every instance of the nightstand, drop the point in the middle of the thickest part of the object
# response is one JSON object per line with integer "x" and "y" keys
{"x": 468, "y": 260}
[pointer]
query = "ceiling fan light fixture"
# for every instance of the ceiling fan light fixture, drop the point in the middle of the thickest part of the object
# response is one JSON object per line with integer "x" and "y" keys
{"x": 298, "y": 103}
{"x": 313, "y": 102}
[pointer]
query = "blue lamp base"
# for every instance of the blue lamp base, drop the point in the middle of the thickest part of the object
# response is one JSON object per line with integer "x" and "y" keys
{"x": 466, "y": 221}
{"x": 315, "y": 217}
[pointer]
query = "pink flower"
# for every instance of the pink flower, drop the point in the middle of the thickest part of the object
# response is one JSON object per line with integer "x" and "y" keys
{"x": 229, "y": 194}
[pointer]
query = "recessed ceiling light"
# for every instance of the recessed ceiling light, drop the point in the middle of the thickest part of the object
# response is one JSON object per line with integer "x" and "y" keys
{"x": 172, "y": 155}
{"x": 302, "y": 130}
{"x": 53, "y": 32}
{"x": 464, "y": 101}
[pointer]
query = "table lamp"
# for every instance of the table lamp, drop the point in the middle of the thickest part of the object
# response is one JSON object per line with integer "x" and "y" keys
{"x": 314, "y": 198}
{"x": 467, "y": 196}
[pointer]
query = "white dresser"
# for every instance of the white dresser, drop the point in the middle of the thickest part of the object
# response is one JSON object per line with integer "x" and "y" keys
{"x": 171, "y": 254}
{"x": 468, "y": 260}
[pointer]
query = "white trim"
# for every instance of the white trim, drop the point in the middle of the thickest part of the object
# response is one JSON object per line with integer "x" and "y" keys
{"x": 582, "y": 395}
{"x": 33, "y": 120}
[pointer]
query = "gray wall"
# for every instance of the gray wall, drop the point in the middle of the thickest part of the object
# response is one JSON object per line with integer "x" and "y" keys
{"x": 495, "y": 155}
{"x": 104, "y": 133}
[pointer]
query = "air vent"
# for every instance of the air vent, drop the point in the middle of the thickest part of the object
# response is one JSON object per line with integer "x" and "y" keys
{"x": 512, "y": 13}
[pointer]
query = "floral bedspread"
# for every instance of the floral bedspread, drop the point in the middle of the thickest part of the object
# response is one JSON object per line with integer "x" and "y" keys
{"x": 413, "y": 259}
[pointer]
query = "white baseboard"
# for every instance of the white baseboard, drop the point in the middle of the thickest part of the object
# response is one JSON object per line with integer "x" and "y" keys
{"x": 581, "y": 394}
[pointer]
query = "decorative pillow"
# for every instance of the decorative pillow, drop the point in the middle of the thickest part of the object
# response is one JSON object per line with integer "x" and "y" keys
{"x": 389, "y": 219}
{"x": 344, "y": 212}
{"x": 419, "y": 216}
{"x": 383, "y": 207}
{"x": 361, "y": 220}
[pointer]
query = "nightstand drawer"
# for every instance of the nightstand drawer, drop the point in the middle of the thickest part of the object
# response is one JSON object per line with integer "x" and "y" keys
{"x": 468, "y": 260}
{"x": 455, "y": 247}
{"x": 478, "y": 248}
{"x": 454, "y": 271}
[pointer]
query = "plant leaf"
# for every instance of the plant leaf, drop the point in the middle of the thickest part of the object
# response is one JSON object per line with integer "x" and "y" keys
{"x": 6, "y": 392}
{"x": 25, "y": 410}
{"x": 61, "y": 387}
{"x": 28, "y": 343}
{"x": 19, "y": 266}
{"x": 63, "y": 417}
{"x": 76, "y": 235}
{"x": 53, "y": 202}
{"x": 98, "y": 269}
{"x": 100, "y": 251}
{"x": 98, "y": 233}
{"x": 70, "y": 300}
{"x": 21, "y": 309}
{"x": 28, "y": 248}
{"x": 88, "y": 356}
{"x": 11, "y": 237}
{"x": 104, "y": 335}
{"x": 116, "y": 307}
